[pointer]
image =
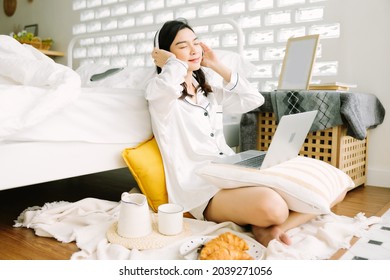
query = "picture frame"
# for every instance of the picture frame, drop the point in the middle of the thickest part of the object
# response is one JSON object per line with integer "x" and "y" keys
{"x": 32, "y": 28}
{"x": 298, "y": 62}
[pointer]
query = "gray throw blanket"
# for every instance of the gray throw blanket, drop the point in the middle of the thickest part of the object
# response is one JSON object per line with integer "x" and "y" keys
{"x": 358, "y": 111}
{"x": 326, "y": 102}
{"x": 361, "y": 112}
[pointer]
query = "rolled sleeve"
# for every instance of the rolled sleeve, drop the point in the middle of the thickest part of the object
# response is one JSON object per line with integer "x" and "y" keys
{"x": 233, "y": 82}
{"x": 169, "y": 80}
{"x": 172, "y": 59}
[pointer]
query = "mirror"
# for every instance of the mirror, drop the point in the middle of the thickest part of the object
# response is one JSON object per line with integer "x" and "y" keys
{"x": 298, "y": 62}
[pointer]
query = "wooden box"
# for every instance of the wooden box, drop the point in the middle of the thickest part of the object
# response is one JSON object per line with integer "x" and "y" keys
{"x": 331, "y": 145}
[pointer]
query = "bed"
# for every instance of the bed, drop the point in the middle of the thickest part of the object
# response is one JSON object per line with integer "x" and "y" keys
{"x": 62, "y": 125}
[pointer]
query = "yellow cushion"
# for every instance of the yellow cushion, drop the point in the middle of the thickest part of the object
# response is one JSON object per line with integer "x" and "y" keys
{"x": 146, "y": 166}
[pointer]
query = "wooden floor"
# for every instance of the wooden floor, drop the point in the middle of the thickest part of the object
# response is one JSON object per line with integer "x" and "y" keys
{"x": 22, "y": 244}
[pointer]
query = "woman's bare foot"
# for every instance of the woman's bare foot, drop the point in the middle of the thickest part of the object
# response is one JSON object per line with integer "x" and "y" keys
{"x": 265, "y": 235}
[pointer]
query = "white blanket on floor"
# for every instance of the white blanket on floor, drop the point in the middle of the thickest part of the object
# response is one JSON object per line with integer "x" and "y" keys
{"x": 87, "y": 221}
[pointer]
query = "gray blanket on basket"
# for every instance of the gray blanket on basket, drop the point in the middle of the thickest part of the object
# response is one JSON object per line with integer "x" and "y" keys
{"x": 358, "y": 111}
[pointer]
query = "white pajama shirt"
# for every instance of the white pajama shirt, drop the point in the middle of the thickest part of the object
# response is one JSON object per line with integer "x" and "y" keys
{"x": 190, "y": 135}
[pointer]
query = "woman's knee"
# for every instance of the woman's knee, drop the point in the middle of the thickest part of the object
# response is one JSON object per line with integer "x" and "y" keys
{"x": 275, "y": 211}
{"x": 259, "y": 206}
{"x": 272, "y": 209}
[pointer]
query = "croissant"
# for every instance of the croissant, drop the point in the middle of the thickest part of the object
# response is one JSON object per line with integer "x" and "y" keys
{"x": 226, "y": 246}
{"x": 234, "y": 240}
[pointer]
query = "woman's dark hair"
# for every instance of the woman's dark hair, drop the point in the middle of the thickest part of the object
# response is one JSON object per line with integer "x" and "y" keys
{"x": 163, "y": 40}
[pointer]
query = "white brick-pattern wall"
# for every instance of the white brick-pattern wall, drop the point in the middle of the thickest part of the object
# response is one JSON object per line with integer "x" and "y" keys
{"x": 267, "y": 24}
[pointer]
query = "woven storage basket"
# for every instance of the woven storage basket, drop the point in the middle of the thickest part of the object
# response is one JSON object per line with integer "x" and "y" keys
{"x": 331, "y": 145}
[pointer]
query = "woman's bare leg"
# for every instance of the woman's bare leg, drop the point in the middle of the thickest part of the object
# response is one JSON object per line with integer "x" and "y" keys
{"x": 249, "y": 205}
{"x": 260, "y": 207}
{"x": 265, "y": 234}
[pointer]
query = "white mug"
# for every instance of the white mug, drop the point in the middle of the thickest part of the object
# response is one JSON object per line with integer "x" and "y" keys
{"x": 170, "y": 219}
{"x": 134, "y": 216}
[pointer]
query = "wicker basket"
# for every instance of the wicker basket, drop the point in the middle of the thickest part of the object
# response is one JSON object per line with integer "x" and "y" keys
{"x": 46, "y": 45}
{"x": 35, "y": 42}
{"x": 331, "y": 145}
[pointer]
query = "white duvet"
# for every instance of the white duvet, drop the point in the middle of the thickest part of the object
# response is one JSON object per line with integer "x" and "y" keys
{"x": 32, "y": 86}
{"x": 41, "y": 100}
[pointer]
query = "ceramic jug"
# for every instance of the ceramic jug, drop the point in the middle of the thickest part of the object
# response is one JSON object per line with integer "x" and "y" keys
{"x": 134, "y": 216}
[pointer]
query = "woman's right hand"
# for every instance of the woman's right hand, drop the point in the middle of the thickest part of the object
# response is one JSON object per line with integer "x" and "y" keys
{"x": 160, "y": 57}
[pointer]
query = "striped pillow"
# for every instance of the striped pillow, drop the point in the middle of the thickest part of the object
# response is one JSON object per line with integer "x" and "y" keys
{"x": 307, "y": 185}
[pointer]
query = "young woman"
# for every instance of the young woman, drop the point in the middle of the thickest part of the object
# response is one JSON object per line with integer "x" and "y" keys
{"x": 186, "y": 115}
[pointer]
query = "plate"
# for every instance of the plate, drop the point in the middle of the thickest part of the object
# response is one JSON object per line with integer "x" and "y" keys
{"x": 190, "y": 249}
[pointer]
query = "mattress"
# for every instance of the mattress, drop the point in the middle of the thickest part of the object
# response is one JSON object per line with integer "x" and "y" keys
{"x": 98, "y": 115}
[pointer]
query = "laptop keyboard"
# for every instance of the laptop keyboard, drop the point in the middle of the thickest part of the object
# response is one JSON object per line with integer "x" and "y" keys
{"x": 254, "y": 162}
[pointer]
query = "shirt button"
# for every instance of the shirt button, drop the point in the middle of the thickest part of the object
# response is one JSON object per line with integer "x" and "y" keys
{"x": 206, "y": 114}
{"x": 221, "y": 153}
{"x": 212, "y": 134}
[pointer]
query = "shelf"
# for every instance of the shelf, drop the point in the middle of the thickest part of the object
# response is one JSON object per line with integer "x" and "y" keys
{"x": 52, "y": 53}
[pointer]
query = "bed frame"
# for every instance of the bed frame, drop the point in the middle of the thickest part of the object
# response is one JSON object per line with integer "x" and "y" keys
{"x": 27, "y": 163}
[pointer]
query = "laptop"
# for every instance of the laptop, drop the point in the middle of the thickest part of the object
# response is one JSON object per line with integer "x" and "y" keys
{"x": 286, "y": 143}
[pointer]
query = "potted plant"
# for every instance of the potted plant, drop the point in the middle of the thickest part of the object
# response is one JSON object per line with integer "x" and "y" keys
{"x": 25, "y": 37}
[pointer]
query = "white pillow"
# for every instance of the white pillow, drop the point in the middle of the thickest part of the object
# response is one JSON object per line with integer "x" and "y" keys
{"x": 128, "y": 77}
{"x": 307, "y": 185}
{"x": 86, "y": 71}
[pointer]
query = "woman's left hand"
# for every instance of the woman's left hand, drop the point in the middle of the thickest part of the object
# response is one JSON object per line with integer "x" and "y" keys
{"x": 209, "y": 58}
{"x": 211, "y": 61}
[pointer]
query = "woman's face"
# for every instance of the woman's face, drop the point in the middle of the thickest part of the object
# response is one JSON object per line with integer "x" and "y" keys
{"x": 186, "y": 47}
